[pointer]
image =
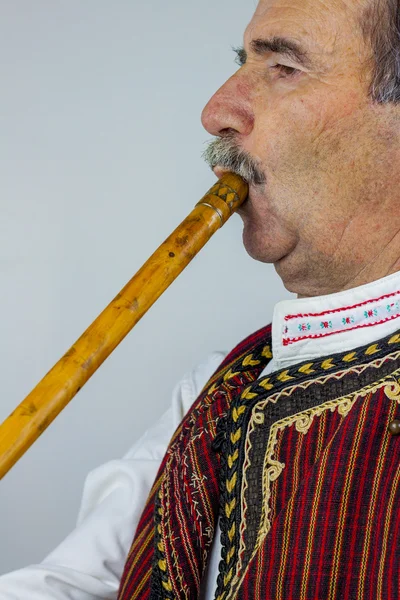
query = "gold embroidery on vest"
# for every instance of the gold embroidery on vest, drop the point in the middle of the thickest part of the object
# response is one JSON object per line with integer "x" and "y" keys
{"x": 392, "y": 390}
{"x": 302, "y": 421}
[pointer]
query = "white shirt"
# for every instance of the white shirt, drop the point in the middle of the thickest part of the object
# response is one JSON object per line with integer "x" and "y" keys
{"x": 88, "y": 564}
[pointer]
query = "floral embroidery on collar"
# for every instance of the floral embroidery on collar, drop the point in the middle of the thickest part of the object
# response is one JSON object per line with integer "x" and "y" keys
{"x": 318, "y": 325}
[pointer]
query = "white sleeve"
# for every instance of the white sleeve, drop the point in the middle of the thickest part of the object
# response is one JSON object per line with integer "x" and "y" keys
{"x": 88, "y": 564}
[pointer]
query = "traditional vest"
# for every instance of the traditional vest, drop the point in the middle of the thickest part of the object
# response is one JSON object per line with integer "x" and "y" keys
{"x": 302, "y": 469}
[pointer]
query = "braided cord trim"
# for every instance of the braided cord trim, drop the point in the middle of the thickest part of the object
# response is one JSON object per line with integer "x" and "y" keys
{"x": 233, "y": 377}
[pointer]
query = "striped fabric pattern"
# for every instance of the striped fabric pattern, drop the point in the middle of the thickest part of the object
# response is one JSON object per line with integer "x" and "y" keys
{"x": 336, "y": 511}
{"x": 184, "y": 500}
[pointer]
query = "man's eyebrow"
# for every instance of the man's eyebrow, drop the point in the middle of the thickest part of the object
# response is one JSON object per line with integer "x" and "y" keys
{"x": 279, "y": 45}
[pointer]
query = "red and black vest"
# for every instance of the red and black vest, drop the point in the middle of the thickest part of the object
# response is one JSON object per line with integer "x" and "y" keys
{"x": 302, "y": 468}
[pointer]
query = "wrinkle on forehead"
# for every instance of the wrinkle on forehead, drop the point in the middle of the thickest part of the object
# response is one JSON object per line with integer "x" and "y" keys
{"x": 312, "y": 8}
{"x": 330, "y": 29}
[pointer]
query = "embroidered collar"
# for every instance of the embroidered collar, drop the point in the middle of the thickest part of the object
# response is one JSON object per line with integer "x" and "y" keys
{"x": 310, "y": 327}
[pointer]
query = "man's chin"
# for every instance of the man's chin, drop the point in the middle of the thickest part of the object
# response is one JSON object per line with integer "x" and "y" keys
{"x": 251, "y": 246}
{"x": 257, "y": 250}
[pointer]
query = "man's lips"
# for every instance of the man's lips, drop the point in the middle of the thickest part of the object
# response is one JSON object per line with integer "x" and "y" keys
{"x": 219, "y": 171}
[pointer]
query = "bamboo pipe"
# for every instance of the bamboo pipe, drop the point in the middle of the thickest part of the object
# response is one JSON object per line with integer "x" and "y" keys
{"x": 71, "y": 372}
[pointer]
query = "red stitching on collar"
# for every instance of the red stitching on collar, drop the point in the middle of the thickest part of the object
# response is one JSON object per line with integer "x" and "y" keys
{"x": 288, "y": 341}
{"x": 336, "y": 310}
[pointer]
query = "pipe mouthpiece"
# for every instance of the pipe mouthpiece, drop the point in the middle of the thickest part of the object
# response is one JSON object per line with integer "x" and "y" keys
{"x": 226, "y": 196}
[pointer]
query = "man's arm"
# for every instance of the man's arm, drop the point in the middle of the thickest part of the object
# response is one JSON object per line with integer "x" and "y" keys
{"x": 88, "y": 564}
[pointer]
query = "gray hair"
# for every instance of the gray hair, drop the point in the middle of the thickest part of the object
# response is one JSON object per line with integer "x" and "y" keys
{"x": 225, "y": 152}
{"x": 380, "y": 25}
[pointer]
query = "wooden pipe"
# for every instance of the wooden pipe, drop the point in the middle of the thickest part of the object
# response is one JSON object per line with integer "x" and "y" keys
{"x": 71, "y": 372}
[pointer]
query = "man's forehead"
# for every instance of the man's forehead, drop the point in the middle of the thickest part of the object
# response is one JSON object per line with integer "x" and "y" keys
{"x": 318, "y": 25}
{"x": 312, "y": 9}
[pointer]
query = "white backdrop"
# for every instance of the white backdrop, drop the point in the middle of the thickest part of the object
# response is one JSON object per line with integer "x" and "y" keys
{"x": 100, "y": 158}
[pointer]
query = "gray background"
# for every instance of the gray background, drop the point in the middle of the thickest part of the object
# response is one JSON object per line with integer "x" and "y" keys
{"x": 100, "y": 145}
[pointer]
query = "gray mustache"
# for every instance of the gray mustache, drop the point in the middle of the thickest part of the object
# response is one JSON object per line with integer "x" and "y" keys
{"x": 224, "y": 152}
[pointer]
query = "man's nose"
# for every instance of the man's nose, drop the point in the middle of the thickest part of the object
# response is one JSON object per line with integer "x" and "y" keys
{"x": 229, "y": 110}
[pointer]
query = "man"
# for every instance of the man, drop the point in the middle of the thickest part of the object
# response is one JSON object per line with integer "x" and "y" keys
{"x": 292, "y": 459}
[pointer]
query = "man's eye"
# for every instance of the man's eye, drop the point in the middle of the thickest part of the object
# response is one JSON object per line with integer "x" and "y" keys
{"x": 285, "y": 70}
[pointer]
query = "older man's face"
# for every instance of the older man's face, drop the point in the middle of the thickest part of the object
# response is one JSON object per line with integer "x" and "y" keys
{"x": 329, "y": 156}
